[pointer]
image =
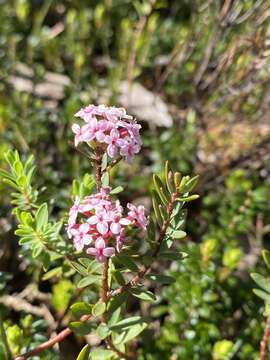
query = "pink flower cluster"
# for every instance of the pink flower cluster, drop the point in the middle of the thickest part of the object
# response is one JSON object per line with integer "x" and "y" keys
{"x": 100, "y": 221}
{"x": 111, "y": 127}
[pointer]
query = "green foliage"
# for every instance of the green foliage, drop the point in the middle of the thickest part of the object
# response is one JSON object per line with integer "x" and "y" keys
{"x": 211, "y": 67}
{"x": 20, "y": 179}
{"x": 61, "y": 294}
{"x": 222, "y": 350}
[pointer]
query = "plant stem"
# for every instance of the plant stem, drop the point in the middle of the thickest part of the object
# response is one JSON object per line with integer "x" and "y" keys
{"x": 104, "y": 296}
{"x": 105, "y": 288}
{"x": 50, "y": 343}
{"x": 98, "y": 174}
{"x": 265, "y": 339}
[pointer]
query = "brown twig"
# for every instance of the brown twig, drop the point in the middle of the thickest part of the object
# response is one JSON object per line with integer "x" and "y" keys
{"x": 19, "y": 304}
{"x": 50, "y": 343}
{"x": 265, "y": 339}
{"x": 98, "y": 166}
{"x": 46, "y": 345}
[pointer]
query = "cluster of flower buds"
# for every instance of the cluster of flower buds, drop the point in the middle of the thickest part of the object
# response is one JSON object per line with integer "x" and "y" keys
{"x": 99, "y": 220}
{"x": 111, "y": 128}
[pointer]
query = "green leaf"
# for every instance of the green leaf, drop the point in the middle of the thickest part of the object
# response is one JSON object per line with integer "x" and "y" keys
{"x": 25, "y": 231}
{"x": 163, "y": 195}
{"x": 169, "y": 178}
{"x": 163, "y": 279}
{"x": 88, "y": 280}
{"x": 177, "y": 234}
{"x": 105, "y": 179}
{"x": 130, "y": 334}
{"x": 260, "y": 280}
{"x": 80, "y": 308}
{"x": 177, "y": 179}
{"x": 266, "y": 257}
{"x": 98, "y": 309}
{"x": 127, "y": 261}
{"x": 101, "y": 354}
{"x": 85, "y": 261}
{"x": 26, "y": 239}
{"x": 117, "y": 190}
{"x": 173, "y": 255}
{"x": 103, "y": 331}
{"x": 116, "y": 302}
{"x": 52, "y": 273}
{"x": 81, "y": 328}
{"x": 37, "y": 249}
{"x": 145, "y": 295}
{"x": 79, "y": 268}
{"x": 104, "y": 162}
{"x": 75, "y": 188}
{"x": 151, "y": 230}
{"x": 84, "y": 353}
{"x": 119, "y": 278}
{"x": 114, "y": 317}
{"x": 188, "y": 198}
{"x": 155, "y": 202}
{"x": 6, "y": 174}
{"x": 126, "y": 323}
{"x": 41, "y": 216}
{"x": 187, "y": 185}
{"x": 262, "y": 294}
{"x": 95, "y": 267}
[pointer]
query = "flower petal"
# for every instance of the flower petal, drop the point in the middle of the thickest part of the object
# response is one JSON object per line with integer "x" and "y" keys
{"x": 100, "y": 243}
{"x": 102, "y": 228}
{"x": 92, "y": 251}
{"x": 115, "y": 228}
{"x": 109, "y": 251}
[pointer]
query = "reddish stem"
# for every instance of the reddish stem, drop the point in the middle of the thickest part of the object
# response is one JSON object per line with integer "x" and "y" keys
{"x": 98, "y": 167}
{"x": 50, "y": 343}
{"x": 265, "y": 339}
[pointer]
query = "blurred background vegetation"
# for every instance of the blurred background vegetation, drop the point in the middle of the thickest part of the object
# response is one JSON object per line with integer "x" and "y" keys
{"x": 196, "y": 75}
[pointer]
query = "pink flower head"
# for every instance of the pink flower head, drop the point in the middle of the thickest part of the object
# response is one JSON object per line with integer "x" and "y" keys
{"x": 100, "y": 251}
{"x": 137, "y": 214}
{"x": 101, "y": 219}
{"x": 111, "y": 127}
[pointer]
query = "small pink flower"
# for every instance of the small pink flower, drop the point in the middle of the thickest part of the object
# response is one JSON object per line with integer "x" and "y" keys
{"x": 86, "y": 113}
{"x": 112, "y": 140}
{"x": 129, "y": 149}
{"x": 100, "y": 219}
{"x": 116, "y": 222}
{"x": 81, "y": 236}
{"x": 74, "y": 210}
{"x": 78, "y": 134}
{"x": 136, "y": 214}
{"x": 100, "y": 251}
